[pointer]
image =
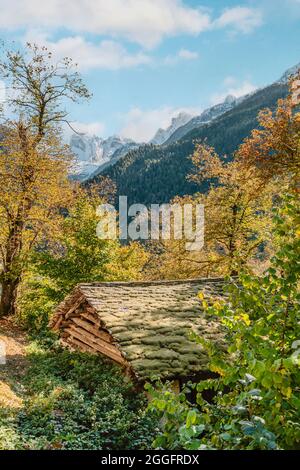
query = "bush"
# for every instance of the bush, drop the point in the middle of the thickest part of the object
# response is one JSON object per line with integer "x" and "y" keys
{"x": 77, "y": 401}
{"x": 257, "y": 398}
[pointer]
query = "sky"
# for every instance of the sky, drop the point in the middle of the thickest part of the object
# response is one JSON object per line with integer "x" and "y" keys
{"x": 144, "y": 61}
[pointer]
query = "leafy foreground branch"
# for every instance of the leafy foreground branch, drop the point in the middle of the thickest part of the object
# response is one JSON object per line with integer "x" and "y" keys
{"x": 75, "y": 401}
{"x": 257, "y": 401}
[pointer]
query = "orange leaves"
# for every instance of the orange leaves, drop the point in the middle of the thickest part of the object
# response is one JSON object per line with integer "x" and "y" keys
{"x": 273, "y": 150}
{"x": 207, "y": 164}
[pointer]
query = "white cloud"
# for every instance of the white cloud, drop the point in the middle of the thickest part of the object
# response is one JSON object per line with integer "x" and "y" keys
{"x": 182, "y": 54}
{"x": 90, "y": 128}
{"x": 146, "y": 22}
{"x": 106, "y": 55}
{"x": 141, "y": 125}
{"x": 186, "y": 54}
{"x": 242, "y": 19}
{"x": 233, "y": 87}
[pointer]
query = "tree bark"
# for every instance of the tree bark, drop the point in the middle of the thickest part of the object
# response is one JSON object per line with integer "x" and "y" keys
{"x": 12, "y": 270}
{"x": 11, "y": 275}
{"x": 8, "y": 303}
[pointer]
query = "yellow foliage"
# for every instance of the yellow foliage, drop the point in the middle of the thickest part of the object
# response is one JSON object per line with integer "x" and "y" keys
{"x": 34, "y": 186}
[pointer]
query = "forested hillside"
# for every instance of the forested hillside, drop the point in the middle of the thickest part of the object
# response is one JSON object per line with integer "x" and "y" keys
{"x": 155, "y": 174}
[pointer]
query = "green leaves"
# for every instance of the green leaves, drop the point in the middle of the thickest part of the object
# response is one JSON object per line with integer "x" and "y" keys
{"x": 192, "y": 418}
{"x": 76, "y": 401}
{"x": 256, "y": 404}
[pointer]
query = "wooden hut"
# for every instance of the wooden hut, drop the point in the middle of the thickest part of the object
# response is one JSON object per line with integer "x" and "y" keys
{"x": 143, "y": 326}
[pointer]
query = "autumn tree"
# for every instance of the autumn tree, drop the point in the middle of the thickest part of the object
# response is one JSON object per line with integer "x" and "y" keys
{"x": 273, "y": 149}
{"x": 238, "y": 209}
{"x": 33, "y": 163}
{"x": 73, "y": 255}
{"x": 77, "y": 254}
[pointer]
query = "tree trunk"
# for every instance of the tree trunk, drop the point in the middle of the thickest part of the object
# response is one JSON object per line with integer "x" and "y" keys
{"x": 8, "y": 303}
{"x": 12, "y": 270}
{"x": 13, "y": 267}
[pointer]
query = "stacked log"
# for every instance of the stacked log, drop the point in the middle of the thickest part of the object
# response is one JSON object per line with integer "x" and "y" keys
{"x": 80, "y": 328}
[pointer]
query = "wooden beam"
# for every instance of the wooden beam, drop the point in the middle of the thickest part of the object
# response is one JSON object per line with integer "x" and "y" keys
{"x": 93, "y": 329}
{"x": 57, "y": 322}
{"x": 79, "y": 344}
{"x": 74, "y": 306}
{"x": 91, "y": 317}
{"x": 97, "y": 345}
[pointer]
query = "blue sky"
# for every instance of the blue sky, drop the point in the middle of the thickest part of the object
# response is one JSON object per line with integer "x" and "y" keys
{"x": 146, "y": 60}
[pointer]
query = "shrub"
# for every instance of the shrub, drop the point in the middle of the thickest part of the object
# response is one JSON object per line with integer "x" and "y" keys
{"x": 257, "y": 398}
{"x": 77, "y": 401}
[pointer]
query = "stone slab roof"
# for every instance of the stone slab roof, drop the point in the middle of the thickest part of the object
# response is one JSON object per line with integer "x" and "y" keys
{"x": 151, "y": 322}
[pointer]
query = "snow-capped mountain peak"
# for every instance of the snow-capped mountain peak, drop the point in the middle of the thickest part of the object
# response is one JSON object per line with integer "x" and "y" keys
{"x": 162, "y": 135}
{"x": 93, "y": 152}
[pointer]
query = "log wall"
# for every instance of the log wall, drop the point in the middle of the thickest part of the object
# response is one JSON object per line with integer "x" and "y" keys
{"x": 80, "y": 328}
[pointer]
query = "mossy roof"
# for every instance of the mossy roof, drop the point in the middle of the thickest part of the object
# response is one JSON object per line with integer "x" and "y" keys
{"x": 151, "y": 323}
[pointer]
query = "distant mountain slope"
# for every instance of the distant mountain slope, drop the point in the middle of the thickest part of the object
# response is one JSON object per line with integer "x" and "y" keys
{"x": 162, "y": 135}
{"x": 289, "y": 73}
{"x": 207, "y": 116}
{"x": 95, "y": 154}
{"x": 116, "y": 155}
{"x": 155, "y": 174}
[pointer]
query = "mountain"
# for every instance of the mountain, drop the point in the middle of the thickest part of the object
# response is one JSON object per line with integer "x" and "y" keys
{"x": 207, "y": 116}
{"x": 156, "y": 174}
{"x": 116, "y": 155}
{"x": 93, "y": 152}
{"x": 162, "y": 135}
{"x": 95, "y": 155}
{"x": 289, "y": 73}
